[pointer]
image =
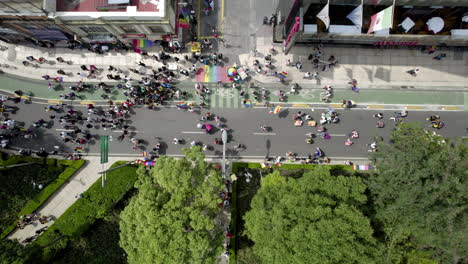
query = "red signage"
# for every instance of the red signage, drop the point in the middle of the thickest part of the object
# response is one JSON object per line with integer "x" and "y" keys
{"x": 293, "y": 31}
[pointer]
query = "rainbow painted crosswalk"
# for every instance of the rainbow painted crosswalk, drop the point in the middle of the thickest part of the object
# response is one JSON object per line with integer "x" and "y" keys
{"x": 210, "y": 73}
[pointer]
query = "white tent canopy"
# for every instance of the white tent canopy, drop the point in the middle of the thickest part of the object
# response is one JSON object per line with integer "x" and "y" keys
{"x": 435, "y": 24}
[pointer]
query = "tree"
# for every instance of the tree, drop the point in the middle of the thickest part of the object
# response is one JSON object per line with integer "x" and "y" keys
{"x": 172, "y": 218}
{"x": 419, "y": 191}
{"x": 12, "y": 252}
{"x": 313, "y": 219}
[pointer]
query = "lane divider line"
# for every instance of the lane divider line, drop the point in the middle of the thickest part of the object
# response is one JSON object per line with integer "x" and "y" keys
{"x": 87, "y": 102}
{"x": 454, "y": 108}
{"x": 301, "y": 105}
{"x": 375, "y": 107}
{"x": 413, "y": 107}
{"x": 265, "y": 134}
{"x": 192, "y": 132}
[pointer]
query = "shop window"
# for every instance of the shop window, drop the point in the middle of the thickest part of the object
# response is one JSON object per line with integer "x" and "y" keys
{"x": 128, "y": 29}
{"x": 93, "y": 29}
{"x": 156, "y": 29}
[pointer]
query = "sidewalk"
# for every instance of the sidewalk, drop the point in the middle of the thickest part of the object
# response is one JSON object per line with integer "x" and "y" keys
{"x": 374, "y": 88}
{"x": 16, "y": 54}
{"x": 63, "y": 198}
{"x": 372, "y": 67}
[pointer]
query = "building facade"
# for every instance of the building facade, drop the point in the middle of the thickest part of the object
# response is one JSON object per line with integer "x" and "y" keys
{"x": 87, "y": 21}
{"x": 103, "y": 21}
{"x": 409, "y": 28}
{"x": 26, "y": 20}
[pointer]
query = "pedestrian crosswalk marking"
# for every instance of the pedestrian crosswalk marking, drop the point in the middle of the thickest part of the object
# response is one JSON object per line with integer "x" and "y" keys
{"x": 228, "y": 102}
{"x": 236, "y": 99}
{"x": 213, "y": 98}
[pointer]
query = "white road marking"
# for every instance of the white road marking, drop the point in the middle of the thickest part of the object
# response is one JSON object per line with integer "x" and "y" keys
{"x": 192, "y": 132}
{"x": 216, "y": 156}
{"x": 121, "y": 131}
{"x": 265, "y": 134}
{"x": 67, "y": 130}
{"x": 338, "y": 135}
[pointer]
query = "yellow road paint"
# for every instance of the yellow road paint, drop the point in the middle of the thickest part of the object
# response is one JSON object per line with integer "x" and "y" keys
{"x": 54, "y": 101}
{"x": 336, "y": 105}
{"x": 25, "y": 97}
{"x": 300, "y": 105}
{"x": 87, "y": 102}
{"x": 455, "y": 108}
{"x": 414, "y": 107}
{"x": 210, "y": 37}
{"x": 375, "y": 107}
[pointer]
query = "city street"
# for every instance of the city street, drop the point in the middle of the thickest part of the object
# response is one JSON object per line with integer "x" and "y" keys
{"x": 244, "y": 124}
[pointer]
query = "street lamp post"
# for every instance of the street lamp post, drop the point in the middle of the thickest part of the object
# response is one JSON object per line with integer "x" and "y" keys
{"x": 224, "y": 139}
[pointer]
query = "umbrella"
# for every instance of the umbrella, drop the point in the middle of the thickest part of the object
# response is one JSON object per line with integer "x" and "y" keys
{"x": 208, "y": 128}
{"x": 435, "y": 24}
{"x": 282, "y": 75}
{"x": 247, "y": 103}
{"x": 232, "y": 71}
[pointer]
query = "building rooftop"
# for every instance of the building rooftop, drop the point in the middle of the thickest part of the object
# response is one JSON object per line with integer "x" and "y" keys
{"x": 109, "y": 5}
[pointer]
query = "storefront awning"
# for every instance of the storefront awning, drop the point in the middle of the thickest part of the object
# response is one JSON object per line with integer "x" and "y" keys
{"x": 48, "y": 34}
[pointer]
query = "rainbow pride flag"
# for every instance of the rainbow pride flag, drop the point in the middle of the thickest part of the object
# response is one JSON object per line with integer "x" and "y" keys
{"x": 79, "y": 149}
{"x": 277, "y": 109}
{"x": 182, "y": 105}
{"x": 282, "y": 75}
{"x": 184, "y": 23}
{"x": 210, "y": 73}
{"x": 142, "y": 43}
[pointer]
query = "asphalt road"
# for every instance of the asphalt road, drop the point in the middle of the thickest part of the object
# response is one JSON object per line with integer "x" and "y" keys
{"x": 169, "y": 122}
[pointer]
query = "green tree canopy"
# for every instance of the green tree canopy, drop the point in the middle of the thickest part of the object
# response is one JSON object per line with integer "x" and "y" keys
{"x": 12, "y": 252}
{"x": 420, "y": 191}
{"x": 313, "y": 219}
{"x": 172, "y": 218}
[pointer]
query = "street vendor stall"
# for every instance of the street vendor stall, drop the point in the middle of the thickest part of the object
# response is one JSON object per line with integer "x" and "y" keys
{"x": 242, "y": 73}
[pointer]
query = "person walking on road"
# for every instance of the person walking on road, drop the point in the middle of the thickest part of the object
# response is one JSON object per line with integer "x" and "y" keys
{"x": 413, "y": 72}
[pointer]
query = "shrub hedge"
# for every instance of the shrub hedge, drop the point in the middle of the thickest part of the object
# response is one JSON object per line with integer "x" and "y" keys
{"x": 81, "y": 215}
{"x": 71, "y": 167}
